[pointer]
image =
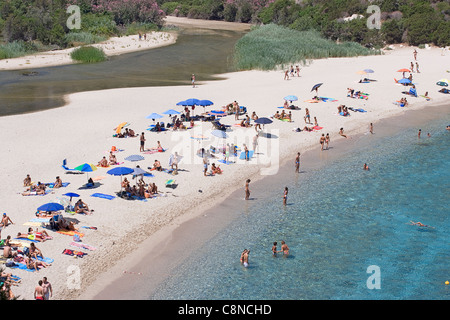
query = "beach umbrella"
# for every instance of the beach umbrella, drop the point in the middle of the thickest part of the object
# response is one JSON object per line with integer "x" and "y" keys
{"x": 121, "y": 126}
{"x": 263, "y": 121}
{"x": 71, "y": 195}
{"x": 154, "y": 116}
{"x": 291, "y": 98}
{"x": 199, "y": 137}
{"x": 316, "y": 86}
{"x": 404, "y": 70}
{"x": 86, "y": 167}
{"x": 120, "y": 171}
{"x": 360, "y": 72}
{"x": 139, "y": 172}
{"x": 442, "y": 83}
{"x": 219, "y": 134}
{"x": 404, "y": 81}
{"x": 135, "y": 157}
{"x": 205, "y": 103}
{"x": 51, "y": 206}
{"x": 171, "y": 112}
{"x": 368, "y": 71}
{"x": 189, "y": 102}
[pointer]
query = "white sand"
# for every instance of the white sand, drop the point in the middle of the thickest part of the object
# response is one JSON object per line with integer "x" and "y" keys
{"x": 112, "y": 46}
{"x": 82, "y": 132}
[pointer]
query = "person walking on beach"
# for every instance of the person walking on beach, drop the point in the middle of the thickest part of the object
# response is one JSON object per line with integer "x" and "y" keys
{"x": 417, "y": 67}
{"x": 247, "y": 189}
{"x": 298, "y": 70}
{"x": 255, "y": 143}
{"x": 39, "y": 291}
{"x": 371, "y": 128}
{"x": 286, "y": 75}
{"x": 412, "y": 66}
{"x": 246, "y": 153}
{"x": 307, "y": 115}
{"x": 193, "y": 80}
{"x": 297, "y": 163}
{"x": 205, "y": 165}
{"x": 415, "y": 54}
{"x": 327, "y": 140}
{"x": 322, "y": 141}
{"x": 142, "y": 140}
{"x": 285, "y": 195}
{"x": 48, "y": 291}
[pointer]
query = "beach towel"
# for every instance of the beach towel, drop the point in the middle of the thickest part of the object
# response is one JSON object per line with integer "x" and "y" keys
{"x": 33, "y": 193}
{"x": 169, "y": 182}
{"x": 26, "y": 240}
{"x": 99, "y": 178}
{"x": 168, "y": 170}
{"x": 22, "y": 266}
{"x": 51, "y": 185}
{"x": 32, "y": 224}
{"x": 70, "y": 233}
{"x": 83, "y": 246}
{"x": 311, "y": 101}
{"x": 45, "y": 259}
{"x": 151, "y": 152}
{"x": 317, "y": 128}
{"x": 242, "y": 155}
{"x": 72, "y": 253}
{"x": 103, "y": 196}
{"x": 325, "y": 99}
{"x": 44, "y": 220}
{"x": 225, "y": 162}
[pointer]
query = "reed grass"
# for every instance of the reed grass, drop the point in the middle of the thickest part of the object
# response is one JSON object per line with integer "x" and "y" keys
{"x": 270, "y": 47}
{"x": 88, "y": 54}
{"x": 82, "y": 38}
{"x": 16, "y": 49}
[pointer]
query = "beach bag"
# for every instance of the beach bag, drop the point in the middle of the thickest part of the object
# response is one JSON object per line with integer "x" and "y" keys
{"x": 76, "y": 238}
{"x": 53, "y": 225}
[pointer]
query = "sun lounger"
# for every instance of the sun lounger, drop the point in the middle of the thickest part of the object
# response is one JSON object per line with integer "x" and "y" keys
{"x": 66, "y": 168}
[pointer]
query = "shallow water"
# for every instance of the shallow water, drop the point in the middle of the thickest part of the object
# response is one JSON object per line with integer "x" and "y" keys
{"x": 339, "y": 221}
{"x": 199, "y": 51}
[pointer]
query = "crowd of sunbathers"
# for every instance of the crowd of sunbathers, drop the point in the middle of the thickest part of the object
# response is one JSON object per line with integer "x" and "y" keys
{"x": 127, "y": 133}
{"x": 39, "y": 188}
{"x": 355, "y": 94}
{"x": 283, "y": 115}
{"x": 142, "y": 190}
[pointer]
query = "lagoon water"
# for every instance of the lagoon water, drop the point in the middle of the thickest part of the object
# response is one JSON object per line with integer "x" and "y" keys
{"x": 340, "y": 220}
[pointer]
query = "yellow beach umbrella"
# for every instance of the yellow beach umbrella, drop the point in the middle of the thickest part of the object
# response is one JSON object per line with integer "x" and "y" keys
{"x": 120, "y": 126}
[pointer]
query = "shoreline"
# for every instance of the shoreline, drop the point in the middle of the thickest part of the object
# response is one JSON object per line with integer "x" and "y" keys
{"x": 166, "y": 249}
{"x": 119, "y": 234}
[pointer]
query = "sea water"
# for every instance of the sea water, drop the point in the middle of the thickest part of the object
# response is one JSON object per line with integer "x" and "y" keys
{"x": 347, "y": 229}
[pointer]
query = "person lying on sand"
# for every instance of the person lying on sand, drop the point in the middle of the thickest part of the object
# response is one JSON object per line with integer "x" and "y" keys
{"x": 38, "y": 189}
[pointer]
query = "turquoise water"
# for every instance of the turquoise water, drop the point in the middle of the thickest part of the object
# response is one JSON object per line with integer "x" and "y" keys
{"x": 339, "y": 221}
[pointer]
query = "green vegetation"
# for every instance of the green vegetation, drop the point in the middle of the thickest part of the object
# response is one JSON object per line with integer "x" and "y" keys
{"x": 271, "y": 46}
{"x": 16, "y": 49}
{"x": 88, "y": 54}
{"x": 33, "y": 25}
{"x": 402, "y": 21}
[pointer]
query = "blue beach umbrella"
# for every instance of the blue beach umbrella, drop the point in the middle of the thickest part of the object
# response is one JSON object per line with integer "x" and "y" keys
{"x": 204, "y": 103}
{"x": 316, "y": 86}
{"x": 189, "y": 102}
{"x": 291, "y": 98}
{"x": 219, "y": 134}
{"x": 171, "y": 112}
{"x": 135, "y": 157}
{"x": 154, "y": 116}
{"x": 404, "y": 81}
{"x": 368, "y": 71}
{"x": 120, "y": 171}
{"x": 51, "y": 206}
{"x": 263, "y": 121}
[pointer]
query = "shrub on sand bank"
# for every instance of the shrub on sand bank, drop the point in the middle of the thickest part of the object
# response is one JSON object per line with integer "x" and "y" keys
{"x": 88, "y": 54}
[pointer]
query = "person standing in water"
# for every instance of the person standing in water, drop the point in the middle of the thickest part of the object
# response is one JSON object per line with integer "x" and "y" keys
{"x": 297, "y": 163}
{"x": 193, "y": 80}
{"x": 418, "y": 135}
{"x": 284, "y": 248}
{"x": 285, "y": 195}
{"x": 247, "y": 189}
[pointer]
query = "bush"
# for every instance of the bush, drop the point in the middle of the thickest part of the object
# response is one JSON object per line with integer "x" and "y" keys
{"x": 88, "y": 54}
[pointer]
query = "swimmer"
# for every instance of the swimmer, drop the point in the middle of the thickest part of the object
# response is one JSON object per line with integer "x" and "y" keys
{"x": 418, "y": 135}
{"x": 419, "y": 224}
{"x": 366, "y": 167}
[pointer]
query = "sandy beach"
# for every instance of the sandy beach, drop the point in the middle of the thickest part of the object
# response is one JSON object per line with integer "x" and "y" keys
{"x": 82, "y": 132}
{"x": 112, "y": 46}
